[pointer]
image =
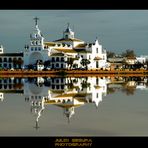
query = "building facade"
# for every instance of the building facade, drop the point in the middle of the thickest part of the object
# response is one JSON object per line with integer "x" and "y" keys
{"x": 66, "y": 52}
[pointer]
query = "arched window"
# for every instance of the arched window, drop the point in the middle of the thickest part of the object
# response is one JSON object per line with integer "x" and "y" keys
{"x": 5, "y": 59}
{"x": 57, "y": 87}
{"x": 10, "y": 80}
{"x": 10, "y": 86}
{"x": 5, "y": 65}
{"x": 57, "y": 65}
{"x": 52, "y": 59}
{"x": 62, "y": 59}
{"x": 10, "y": 60}
{"x": 10, "y": 66}
{"x": 53, "y": 86}
{"x": 96, "y": 50}
{"x": 66, "y": 36}
{"x": 5, "y": 86}
{"x": 57, "y": 59}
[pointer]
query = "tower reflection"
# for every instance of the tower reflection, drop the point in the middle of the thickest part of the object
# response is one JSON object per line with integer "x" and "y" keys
{"x": 68, "y": 93}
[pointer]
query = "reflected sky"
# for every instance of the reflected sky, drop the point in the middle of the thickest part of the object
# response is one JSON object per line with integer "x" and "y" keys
{"x": 117, "y": 30}
{"x": 86, "y": 106}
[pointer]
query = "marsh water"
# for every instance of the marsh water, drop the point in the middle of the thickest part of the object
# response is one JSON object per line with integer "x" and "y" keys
{"x": 74, "y": 106}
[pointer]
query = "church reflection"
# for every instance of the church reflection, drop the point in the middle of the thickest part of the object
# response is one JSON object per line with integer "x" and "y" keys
{"x": 68, "y": 93}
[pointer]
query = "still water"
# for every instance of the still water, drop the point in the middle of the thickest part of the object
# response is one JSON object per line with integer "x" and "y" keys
{"x": 71, "y": 106}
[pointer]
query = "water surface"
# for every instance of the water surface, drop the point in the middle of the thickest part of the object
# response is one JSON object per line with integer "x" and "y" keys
{"x": 92, "y": 106}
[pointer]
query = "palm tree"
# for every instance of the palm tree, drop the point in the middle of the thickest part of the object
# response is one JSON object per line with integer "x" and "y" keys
{"x": 110, "y": 54}
{"x": 47, "y": 63}
{"x": 146, "y": 64}
{"x": 129, "y": 53}
{"x": 20, "y": 62}
{"x": 85, "y": 62}
{"x": 70, "y": 61}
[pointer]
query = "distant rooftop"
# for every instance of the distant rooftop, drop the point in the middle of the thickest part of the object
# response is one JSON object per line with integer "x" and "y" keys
{"x": 11, "y": 54}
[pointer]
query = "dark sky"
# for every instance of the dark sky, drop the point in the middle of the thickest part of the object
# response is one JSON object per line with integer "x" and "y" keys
{"x": 117, "y": 30}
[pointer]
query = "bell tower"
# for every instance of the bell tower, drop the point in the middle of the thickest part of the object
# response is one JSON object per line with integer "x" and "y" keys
{"x": 68, "y": 33}
{"x": 36, "y": 38}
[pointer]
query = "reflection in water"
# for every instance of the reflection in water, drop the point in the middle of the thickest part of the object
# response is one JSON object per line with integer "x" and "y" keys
{"x": 68, "y": 93}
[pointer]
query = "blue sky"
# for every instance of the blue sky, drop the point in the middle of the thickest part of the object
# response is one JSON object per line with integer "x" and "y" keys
{"x": 117, "y": 30}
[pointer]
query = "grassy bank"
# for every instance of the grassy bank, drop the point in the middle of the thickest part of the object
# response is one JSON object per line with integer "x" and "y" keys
{"x": 31, "y": 73}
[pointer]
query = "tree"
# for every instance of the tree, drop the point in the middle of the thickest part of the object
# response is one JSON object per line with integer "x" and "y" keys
{"x": 129, "y": 53}
{"x": 85, "y": 62}
{"x": 20, "y": 62}
{"x": 30, "y": 66}
{"x": 70, "y": 62}
{"x": 146, "y": 64}
{"x": 110, "y": 54}
{"x": 47, "y": 63}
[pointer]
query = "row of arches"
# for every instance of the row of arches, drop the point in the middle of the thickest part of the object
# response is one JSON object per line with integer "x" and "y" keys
{"x": 10, "y": 59}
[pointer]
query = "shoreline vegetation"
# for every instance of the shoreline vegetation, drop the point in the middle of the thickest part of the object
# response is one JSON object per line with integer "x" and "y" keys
{"x": 77, "y": 73}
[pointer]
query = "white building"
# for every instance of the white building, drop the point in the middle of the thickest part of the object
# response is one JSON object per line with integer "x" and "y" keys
{"x": 142, "y": 59}
{"x": 61, "y": 52}
{"x": 10, "y": 60}
{"x": 66, "y": 93}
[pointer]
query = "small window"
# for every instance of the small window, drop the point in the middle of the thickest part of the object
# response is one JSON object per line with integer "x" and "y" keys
{"x": 96, "y": 50}
{"x": 62, "y": 59}
{"x": 81, "y": 56}
{"x": 97, "y": 95}
{"x": 62, "y": 86}
{"x": 5, "y": 81}
{"x": 97, "y": 81}
{"x": 52, "y": 59}
{"x": 5, "y": 59}
{"x": 10, "y": 60}
{"x": 31, "y": 48}
{"x": 62, "y": 80}
{"x": 57, "y": 59}
{"x": 57, "y": 87}
{"x": 52, "y": 80}
{"x": 57, "y": 65}
{"x": 66, "y": 36}
{"x": 9, "y": 80}
{"x": 53, "y": 86}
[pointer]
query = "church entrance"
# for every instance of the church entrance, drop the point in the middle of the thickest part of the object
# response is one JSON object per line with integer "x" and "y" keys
{"x": 34, "y": 57}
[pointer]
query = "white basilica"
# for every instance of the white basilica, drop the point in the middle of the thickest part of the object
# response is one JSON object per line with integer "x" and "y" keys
{"x": 66, "y": 93}
{"x": 67, "y": 52}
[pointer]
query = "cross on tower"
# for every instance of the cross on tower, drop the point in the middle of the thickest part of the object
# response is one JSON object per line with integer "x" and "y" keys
{"x": 36, "y": 20}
